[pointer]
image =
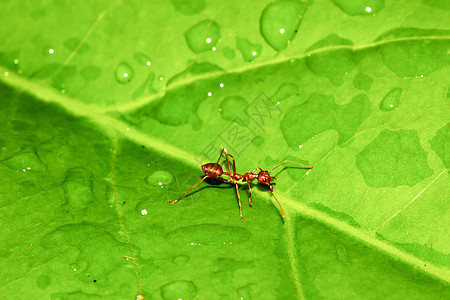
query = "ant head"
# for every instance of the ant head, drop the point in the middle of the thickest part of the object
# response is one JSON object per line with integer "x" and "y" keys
{"x": 264, "y": 178}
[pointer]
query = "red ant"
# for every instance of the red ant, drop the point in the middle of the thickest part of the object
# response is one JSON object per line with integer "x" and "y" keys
{"x": 214, "y": 170}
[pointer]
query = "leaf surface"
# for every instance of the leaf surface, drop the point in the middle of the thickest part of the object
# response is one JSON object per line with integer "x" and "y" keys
{"x": 108, "y": 110}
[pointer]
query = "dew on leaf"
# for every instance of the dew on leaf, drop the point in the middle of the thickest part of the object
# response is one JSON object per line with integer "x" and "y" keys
{"x": 73, "y": 43}
{"x": 333, "y": 64}
{"x": 90, "y": 72}
{"x": 248, "y": 50}
{"x": 320, "y": 113}
{"x": 146, "y": 87}
{"x": 43, "y": 281}
{"x": 279, "y": 22}
{"x": 358, "y": 7}
{"x": 362, "y": 81}
{"x": 180, "y": 260}
{"x": 178, "y": 289}
{"x": 285, "y": 90}
{"x": 342, "y": 254}
{"x": 203, "y": 36}
{"x": 190, "y": 7}
{"x": 159, "y": 178}
{"x": 232, "y": 107}
{"x": 393, "y": 159}
{"x": 25, "y": 161}
{"x": 142, "y": 59}
{"x": 440, "y": 144}
{"x": 208, "y": 234}
{"x": 78, "y": 187}
{"x": 258, "y": 141}
{"x": 124, "y": 73}
{"x": 409, "y": 53}
{"x": 228, "y": 53}
{"x": 391, "y": 100}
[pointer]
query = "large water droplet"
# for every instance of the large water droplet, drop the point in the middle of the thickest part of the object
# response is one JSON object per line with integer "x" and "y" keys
{"x": 232, "y": 107}
{"x": 203, "y": 36}
{"x": 285, "y": 90}
{"x": 26, "y": 161}
{"x": 43, "y": 281}
{"x": 124, "y": 73}
{"x": 180, "y": 260}
{"x": 78, "y": 187}
{"x": 279, "y": 22}
{"x": 391, "y": 100}
{"x": 248, "y": 50}
{"x": 333, "y": 64}
{"x": 362, "y": 81}
{"x": 90, "y": 72}
{"x": 360, "y": 7}
{"x": 159, "y": 178}
{"x": 178, "y": 289}
{"x": 190, "y": 7}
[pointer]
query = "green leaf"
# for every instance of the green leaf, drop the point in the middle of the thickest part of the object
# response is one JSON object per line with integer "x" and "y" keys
{"x": 108, "y": 109}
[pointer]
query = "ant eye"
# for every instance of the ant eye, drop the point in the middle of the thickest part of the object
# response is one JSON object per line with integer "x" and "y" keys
{"x": 264, "y": 180}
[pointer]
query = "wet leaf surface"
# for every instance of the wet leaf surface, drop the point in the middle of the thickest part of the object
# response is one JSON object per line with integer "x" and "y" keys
{"x": 108, "y": 110}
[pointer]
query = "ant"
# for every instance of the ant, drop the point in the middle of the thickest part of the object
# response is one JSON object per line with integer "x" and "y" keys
{"x": 214, "y": 170}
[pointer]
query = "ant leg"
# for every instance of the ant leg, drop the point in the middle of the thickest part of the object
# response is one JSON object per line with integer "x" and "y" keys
{"x": 221, "y": 153}
{"x": 171, "y": 202}
{"x": 228, "y": 161}
{"x": 239, "y": 198}
{"x": 282, "y": 212}
{"x": 234, "y": 164}
{"x": 288, "y": 161}
{"x": 249, "y": 194}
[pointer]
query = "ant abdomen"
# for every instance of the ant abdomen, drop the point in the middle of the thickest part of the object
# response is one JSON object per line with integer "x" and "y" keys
{"x": 212, "y": 170}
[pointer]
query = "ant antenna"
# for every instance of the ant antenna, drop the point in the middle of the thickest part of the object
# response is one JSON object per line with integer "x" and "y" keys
{"x": 288, "y": 161}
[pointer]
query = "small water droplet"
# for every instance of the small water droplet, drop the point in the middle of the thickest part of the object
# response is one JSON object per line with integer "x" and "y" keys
{"x": 90, "y": 72}
{"x": 228, "y": 53}
{"x": 16, "y": 61}
{"x": 285, "y": 90}
{"x": 178, "y": 289}
{"x": 124, "y": 73}
{"x": 159, "y": 178}
{"x": 78, "y": 187}
{"x": 26, "y": 160}
{"x": 144, "y": 212}
{"x": 360, "y": 7}
{"x": 391, "y": 100}
{"x": 180, "y": 260}
{"x": 142, "y": 59}
{"x": 280, "y": 21}
{"x": 234, "y": 106}
{"x": 203, "y": 36}
{"x": 209, "y": 94}
{"x": 221, "y": 85}
{"x": 248, "y": 50}
{"x": 188, "y": 7}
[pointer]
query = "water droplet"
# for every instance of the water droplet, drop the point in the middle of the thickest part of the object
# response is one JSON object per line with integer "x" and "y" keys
{"x": 362, "y": 81}
{"x": 258, "y": 141}
{"x": 208, "y": 234}
{"x": 360, "y": 7}
{"x": 209, "y": 94}
{"x": 248, "y": 50}
{"x": 417, "y": 56}
{"x": 280, "y": 21}
{"x": 178, "y": 289}
{"x": 43, "y": 281}
{"x": 78, "y": 187}
{"x": 203, "y": 36}
{"x": 391, "y": 100}
{"x": 191, "y": 7}
{"x": 285, "y": 90}
{"x": 142, "y": 59}
{"x": 180, "y": 260}
{"x": 144, "y": 212}
{"x": 228, "y": 53}
{"x": 90, "y": 72}
{"x": 159, "y": 178}
{"x": 124, "y": 73}
{"x": 146, "y": 87}
{"x": 232, "y": 107}
{"x": 26, "y": 160}
{"x": 342, "y": 254}
{"x": 73, "y": 43}
{"x": 333, "y": 64}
